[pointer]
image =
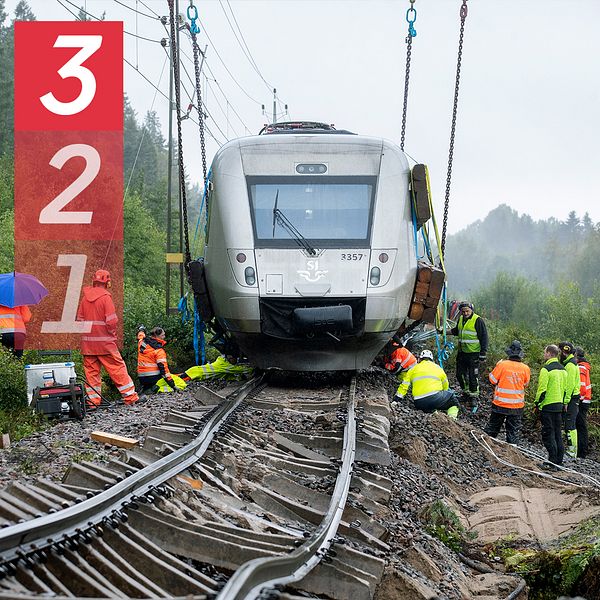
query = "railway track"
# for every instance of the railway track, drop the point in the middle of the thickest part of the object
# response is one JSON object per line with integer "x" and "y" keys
{"x": 234, "y": 500}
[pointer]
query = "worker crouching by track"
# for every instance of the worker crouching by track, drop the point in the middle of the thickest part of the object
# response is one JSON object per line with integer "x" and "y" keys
{"x": 429, "y": 387}
{"x": 510, "y": 378}
{"x": 152, "y": 360}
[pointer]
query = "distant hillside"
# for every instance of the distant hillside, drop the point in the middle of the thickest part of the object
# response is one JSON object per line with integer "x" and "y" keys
{"x": 547, "y": 251}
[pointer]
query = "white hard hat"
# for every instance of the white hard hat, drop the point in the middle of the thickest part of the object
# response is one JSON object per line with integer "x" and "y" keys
{"x": 426, "y": 354}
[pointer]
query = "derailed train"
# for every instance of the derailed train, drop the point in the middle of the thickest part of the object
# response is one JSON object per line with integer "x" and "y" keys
{"x": 310, "y": 261}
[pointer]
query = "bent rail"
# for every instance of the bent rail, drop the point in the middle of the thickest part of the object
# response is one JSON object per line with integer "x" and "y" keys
{"x": 17, "y": 541}
{"x": 247, "y": 582}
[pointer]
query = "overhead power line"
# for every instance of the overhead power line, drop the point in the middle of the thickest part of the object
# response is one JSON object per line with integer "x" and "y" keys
{"x": 139, "y": 12}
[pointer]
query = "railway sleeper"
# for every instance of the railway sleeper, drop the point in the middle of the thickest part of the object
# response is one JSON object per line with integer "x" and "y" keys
{"x": 340, "y": 581}
{"x": 297, "y": 498}
{"x": 207, "y": 396}
{"x": 286, "y": 508}
{"x": 37, "y": 498}
{"x": 155, "y": 563}
{"x": 170, "y": 434}
{"x": 139, "y": 457}
{"x": 275, "y": 543}
{"x": 89, "y": 476}
{"x": 239, "y": 512}
{"x": 58, "y": 490}
{"x": 285, "y": 485}
{"x": 197, "y": 546}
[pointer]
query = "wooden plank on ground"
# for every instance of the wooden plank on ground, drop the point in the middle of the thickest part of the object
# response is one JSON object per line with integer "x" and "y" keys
{"x": 105, "y": 437}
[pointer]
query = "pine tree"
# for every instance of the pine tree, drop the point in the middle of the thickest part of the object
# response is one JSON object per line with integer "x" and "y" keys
{"x": 23, "y": 12}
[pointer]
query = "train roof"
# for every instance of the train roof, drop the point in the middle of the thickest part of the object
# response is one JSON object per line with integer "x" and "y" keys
{"x": 295, "y": 127}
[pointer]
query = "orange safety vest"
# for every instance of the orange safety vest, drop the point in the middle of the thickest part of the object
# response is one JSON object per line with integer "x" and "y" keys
{"x": 510, "y": 378}
{"x": 12, "y": 320}
{"x": 401, "y": 356}
{"x": 150, "y": 355}
{"x": 585, "y": 390}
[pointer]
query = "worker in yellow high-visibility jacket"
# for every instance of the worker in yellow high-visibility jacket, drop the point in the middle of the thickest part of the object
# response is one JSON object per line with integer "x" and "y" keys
{"x": 429, "y": 387}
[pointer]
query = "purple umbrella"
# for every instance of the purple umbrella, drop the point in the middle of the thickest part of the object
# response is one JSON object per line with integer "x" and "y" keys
{"x": 18, "y": 289}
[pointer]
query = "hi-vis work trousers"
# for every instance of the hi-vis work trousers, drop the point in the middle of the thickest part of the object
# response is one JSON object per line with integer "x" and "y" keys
{"x": 115, "y": 367}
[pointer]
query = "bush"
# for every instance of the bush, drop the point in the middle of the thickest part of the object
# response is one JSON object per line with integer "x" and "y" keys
{"x": 13, "y": 391}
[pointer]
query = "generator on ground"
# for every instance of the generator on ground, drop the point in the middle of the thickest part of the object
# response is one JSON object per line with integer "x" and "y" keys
{"x": 60, "y": 401}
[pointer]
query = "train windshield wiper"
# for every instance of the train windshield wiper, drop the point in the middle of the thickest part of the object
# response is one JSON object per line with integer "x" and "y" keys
{"x": 279, "y": 217}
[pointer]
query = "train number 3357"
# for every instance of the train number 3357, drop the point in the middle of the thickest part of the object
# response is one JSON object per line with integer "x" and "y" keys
{"x": 352, "y": 256}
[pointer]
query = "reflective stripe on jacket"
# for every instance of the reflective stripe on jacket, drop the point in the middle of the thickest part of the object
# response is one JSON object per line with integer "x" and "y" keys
{"x": 552, "y": 385}
{"x": 152, "y": 358}
{"x": 97, "y": 308}
{"x": 585, "y": 389}
{"x": 13, "y": 320}
{"x": 405, "y": 358}
{"x": 510, "y": 377}
{"x": 468, "y": 340}
{"x": 426, "y": 379}
{"x": 573, "y": 381}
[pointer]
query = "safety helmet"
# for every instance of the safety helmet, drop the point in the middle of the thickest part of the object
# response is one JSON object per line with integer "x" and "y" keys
{"x": 101, "y": 276}
{"x": 426, "y": 354}
{"x": 465, "y": 305}
{"x": 566, "y": 347}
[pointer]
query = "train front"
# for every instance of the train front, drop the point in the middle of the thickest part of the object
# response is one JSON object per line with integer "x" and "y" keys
{"x": 310, "y": 259}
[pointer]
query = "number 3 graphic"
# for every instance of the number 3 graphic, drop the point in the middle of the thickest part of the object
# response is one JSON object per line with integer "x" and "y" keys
{"x": 73, "y": 68}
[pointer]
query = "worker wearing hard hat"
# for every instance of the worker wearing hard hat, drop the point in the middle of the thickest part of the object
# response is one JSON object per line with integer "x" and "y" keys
{"x": 585, "y": 401}
{"x": 99, "y": 344}
{"x": 429, "y": 387}
{"x": 400, "y": 359}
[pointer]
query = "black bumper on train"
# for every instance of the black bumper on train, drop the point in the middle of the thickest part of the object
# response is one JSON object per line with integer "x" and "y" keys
{"x": 312, "y": 318}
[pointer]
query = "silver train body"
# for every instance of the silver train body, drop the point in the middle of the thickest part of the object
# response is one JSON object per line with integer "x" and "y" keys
{"x": 310, "y": 258}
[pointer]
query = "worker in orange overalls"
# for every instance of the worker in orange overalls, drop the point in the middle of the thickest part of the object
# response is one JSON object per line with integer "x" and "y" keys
{"x": 12, "y": 328}
{"x": 152, "y": 358}
{"x": 401, "y": 359}
{"x": 585, "y": 400}
{"x": 510, "y": 377}
{"x": 99, "y": 346}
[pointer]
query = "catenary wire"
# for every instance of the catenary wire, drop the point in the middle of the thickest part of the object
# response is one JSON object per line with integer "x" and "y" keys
{"x": 139, "y": 12}
{"x": 89, "y": 14}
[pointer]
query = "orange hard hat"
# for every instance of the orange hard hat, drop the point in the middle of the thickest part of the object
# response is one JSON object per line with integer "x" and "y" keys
{"x": 102, "y": 276}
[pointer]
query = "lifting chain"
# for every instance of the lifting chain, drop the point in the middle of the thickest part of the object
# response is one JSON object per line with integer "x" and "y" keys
{"x": 411, "y": 17}
{"x": 463, "y": 17}
{"x": 194, "y": 30}
{"x": 182, "y": 185}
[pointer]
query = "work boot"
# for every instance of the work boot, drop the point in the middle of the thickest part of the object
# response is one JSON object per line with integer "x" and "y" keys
{"x": 452, "y": 412}
{"x": 548, "y": 466}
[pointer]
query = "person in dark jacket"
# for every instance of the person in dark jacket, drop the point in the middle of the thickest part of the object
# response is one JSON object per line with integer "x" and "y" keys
{"x": 550, "y": 400}
{"x": 472, "y": 349}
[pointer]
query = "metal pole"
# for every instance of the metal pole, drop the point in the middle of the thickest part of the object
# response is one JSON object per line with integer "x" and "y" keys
{"x": 169, "y": 182}
{"x": 274, "y": 105}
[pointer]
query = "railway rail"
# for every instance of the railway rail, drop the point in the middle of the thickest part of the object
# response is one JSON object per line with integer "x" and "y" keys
{"x": 248, "y": 492}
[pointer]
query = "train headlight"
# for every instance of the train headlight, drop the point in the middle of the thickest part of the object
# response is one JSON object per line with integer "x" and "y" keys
{"x": 383, "y": 258}
{"x": 241, "y": 257}
{"x": 375, "y": 276}
{"x": 250, "y": 276}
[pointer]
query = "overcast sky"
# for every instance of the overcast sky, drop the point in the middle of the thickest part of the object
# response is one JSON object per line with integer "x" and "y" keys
{"x": 528, "y": 121}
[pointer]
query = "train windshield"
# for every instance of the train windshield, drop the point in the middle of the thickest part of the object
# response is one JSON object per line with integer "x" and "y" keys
{"x": 325, "y": 212}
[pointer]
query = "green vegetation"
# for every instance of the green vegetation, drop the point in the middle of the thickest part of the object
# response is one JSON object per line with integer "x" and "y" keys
{"x": 145, "y": 235}
{"x": 569, "y": 567}
{"x": 443, "y": 523}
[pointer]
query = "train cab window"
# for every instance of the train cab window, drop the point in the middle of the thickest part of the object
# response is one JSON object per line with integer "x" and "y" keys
{"x": 329, "y": 211}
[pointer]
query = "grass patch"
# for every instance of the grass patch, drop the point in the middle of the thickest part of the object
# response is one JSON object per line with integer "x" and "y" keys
{"x": 443, "y": 523}
{"x": 21, "y": 422}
